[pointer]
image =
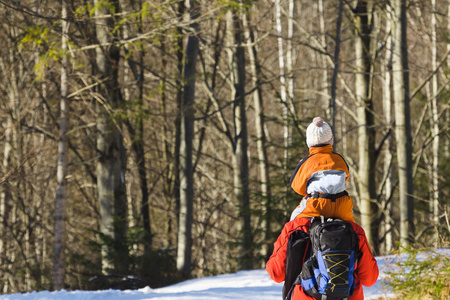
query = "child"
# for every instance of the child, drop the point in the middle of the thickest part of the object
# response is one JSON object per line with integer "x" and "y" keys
{"x": 321, "y": 177}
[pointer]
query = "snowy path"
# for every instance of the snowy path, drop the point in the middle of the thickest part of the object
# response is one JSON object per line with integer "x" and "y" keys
{"x": 242, "y": 285}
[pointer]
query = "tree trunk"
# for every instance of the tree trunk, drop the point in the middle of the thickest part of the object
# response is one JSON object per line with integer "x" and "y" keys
{"x": 337, "y": 49}
{"x": 179, "y": 99}
{"x": 290, "y": 55}
{"x": 325, "y": 98}
{"x": 15, "y": 239}
{"x": 261, "y": 145}
{"x": 111, "y": 161}
{"x": 240, "y": 147}
{"x": 137, "y": 132}
{"x": 184, "y": 249}
{"x": 6, "y": 200}
{"x": 435, "y": 123}
{"x": 388, "y": 157}
{"x": 283, "y": 93}
{"x": 58, "y": 262}
{"x": 402, "y": 121}
{"x": 447, "y": 113}
{"x": 138, "y": 146}
{"x": 366, "y": 132}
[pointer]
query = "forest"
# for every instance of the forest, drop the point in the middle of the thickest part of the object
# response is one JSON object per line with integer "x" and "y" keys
{"x": 156, "y": 138}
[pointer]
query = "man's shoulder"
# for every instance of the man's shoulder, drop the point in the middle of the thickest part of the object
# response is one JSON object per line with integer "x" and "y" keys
{"x": 357, "y": 228}
{"x": 297, "y": 224}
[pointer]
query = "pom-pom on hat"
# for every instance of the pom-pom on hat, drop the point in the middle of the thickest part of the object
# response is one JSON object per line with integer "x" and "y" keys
{"x": 319, "y": 133}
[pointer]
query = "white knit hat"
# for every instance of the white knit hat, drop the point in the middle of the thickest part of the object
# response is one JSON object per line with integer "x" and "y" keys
{"x": 319, "y": 133}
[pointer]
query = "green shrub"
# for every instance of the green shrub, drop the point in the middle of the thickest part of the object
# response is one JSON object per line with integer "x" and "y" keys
{"x": 425, "y": 274}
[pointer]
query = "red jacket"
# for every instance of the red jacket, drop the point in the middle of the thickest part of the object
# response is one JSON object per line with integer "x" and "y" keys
{"x": 366, "y": 269}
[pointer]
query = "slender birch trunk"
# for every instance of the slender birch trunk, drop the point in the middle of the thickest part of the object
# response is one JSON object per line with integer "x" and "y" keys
{"x": 290, "y": 55}
{"x": 435, "y": 122}
{"x": 131, "y": 209}
{"x": 283, "y": 93}
{"x": 6, "y": 194}
{"x": 402, "y": 121}
{"x": 388, "y": 157}
{"x": 58, "y": 260}
{"x": 5, "y": 201}
{"x": 184, "y": 249}
{"x": 176, "y": 150}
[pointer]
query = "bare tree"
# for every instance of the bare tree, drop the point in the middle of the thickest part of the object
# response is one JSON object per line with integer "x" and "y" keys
{"x": 366, "y": 132}
{"x": 6, "y": 193}
{"x": 58, "y": 263}
{"x": 136, "y": 67}
{"x": 337, "y": 49}
{"x": 240, "y": 144}
{"x": 283, "y": 91}
{"x": 111, "y": 153}
{"x": 184, "y": 249}
{"x": 388, "y": 152}
{"x": 434, "y": 122}
{"x": 447, "y": 114}
{"x": 402, "y": 120}
{"x": 290, "y": 59}
{"x": 15, "y": 197}
{"x": 324, "y": 76}
{"x": 261, "y": 142}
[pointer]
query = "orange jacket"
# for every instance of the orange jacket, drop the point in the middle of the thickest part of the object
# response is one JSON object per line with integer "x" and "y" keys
{"x": 366, "y": 269}
{"x": 341, "y": 208}
{"x": 320, "y": 158}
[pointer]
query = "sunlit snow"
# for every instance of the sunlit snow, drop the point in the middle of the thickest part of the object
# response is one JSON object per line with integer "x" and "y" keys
{"x": 243, "y": 285}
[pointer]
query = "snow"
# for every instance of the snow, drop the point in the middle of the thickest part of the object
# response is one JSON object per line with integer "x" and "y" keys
{"x": 242, "y": 285}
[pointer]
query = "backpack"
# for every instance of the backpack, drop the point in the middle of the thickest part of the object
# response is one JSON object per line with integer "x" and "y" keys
{"x": 322, "y": 261}
{"x": 329, "y": 271}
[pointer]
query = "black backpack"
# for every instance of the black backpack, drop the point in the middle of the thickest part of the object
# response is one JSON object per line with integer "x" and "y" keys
{"x": 333, "y": 248}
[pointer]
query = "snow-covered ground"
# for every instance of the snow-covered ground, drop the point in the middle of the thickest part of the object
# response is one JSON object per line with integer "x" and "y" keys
{"x": 243, "y": 285}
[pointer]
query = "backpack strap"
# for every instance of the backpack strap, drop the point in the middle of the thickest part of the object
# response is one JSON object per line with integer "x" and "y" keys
{"x": 298, "y": 280}
{"x": 332, "y": 197}
{"x": 297, "y": 250}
